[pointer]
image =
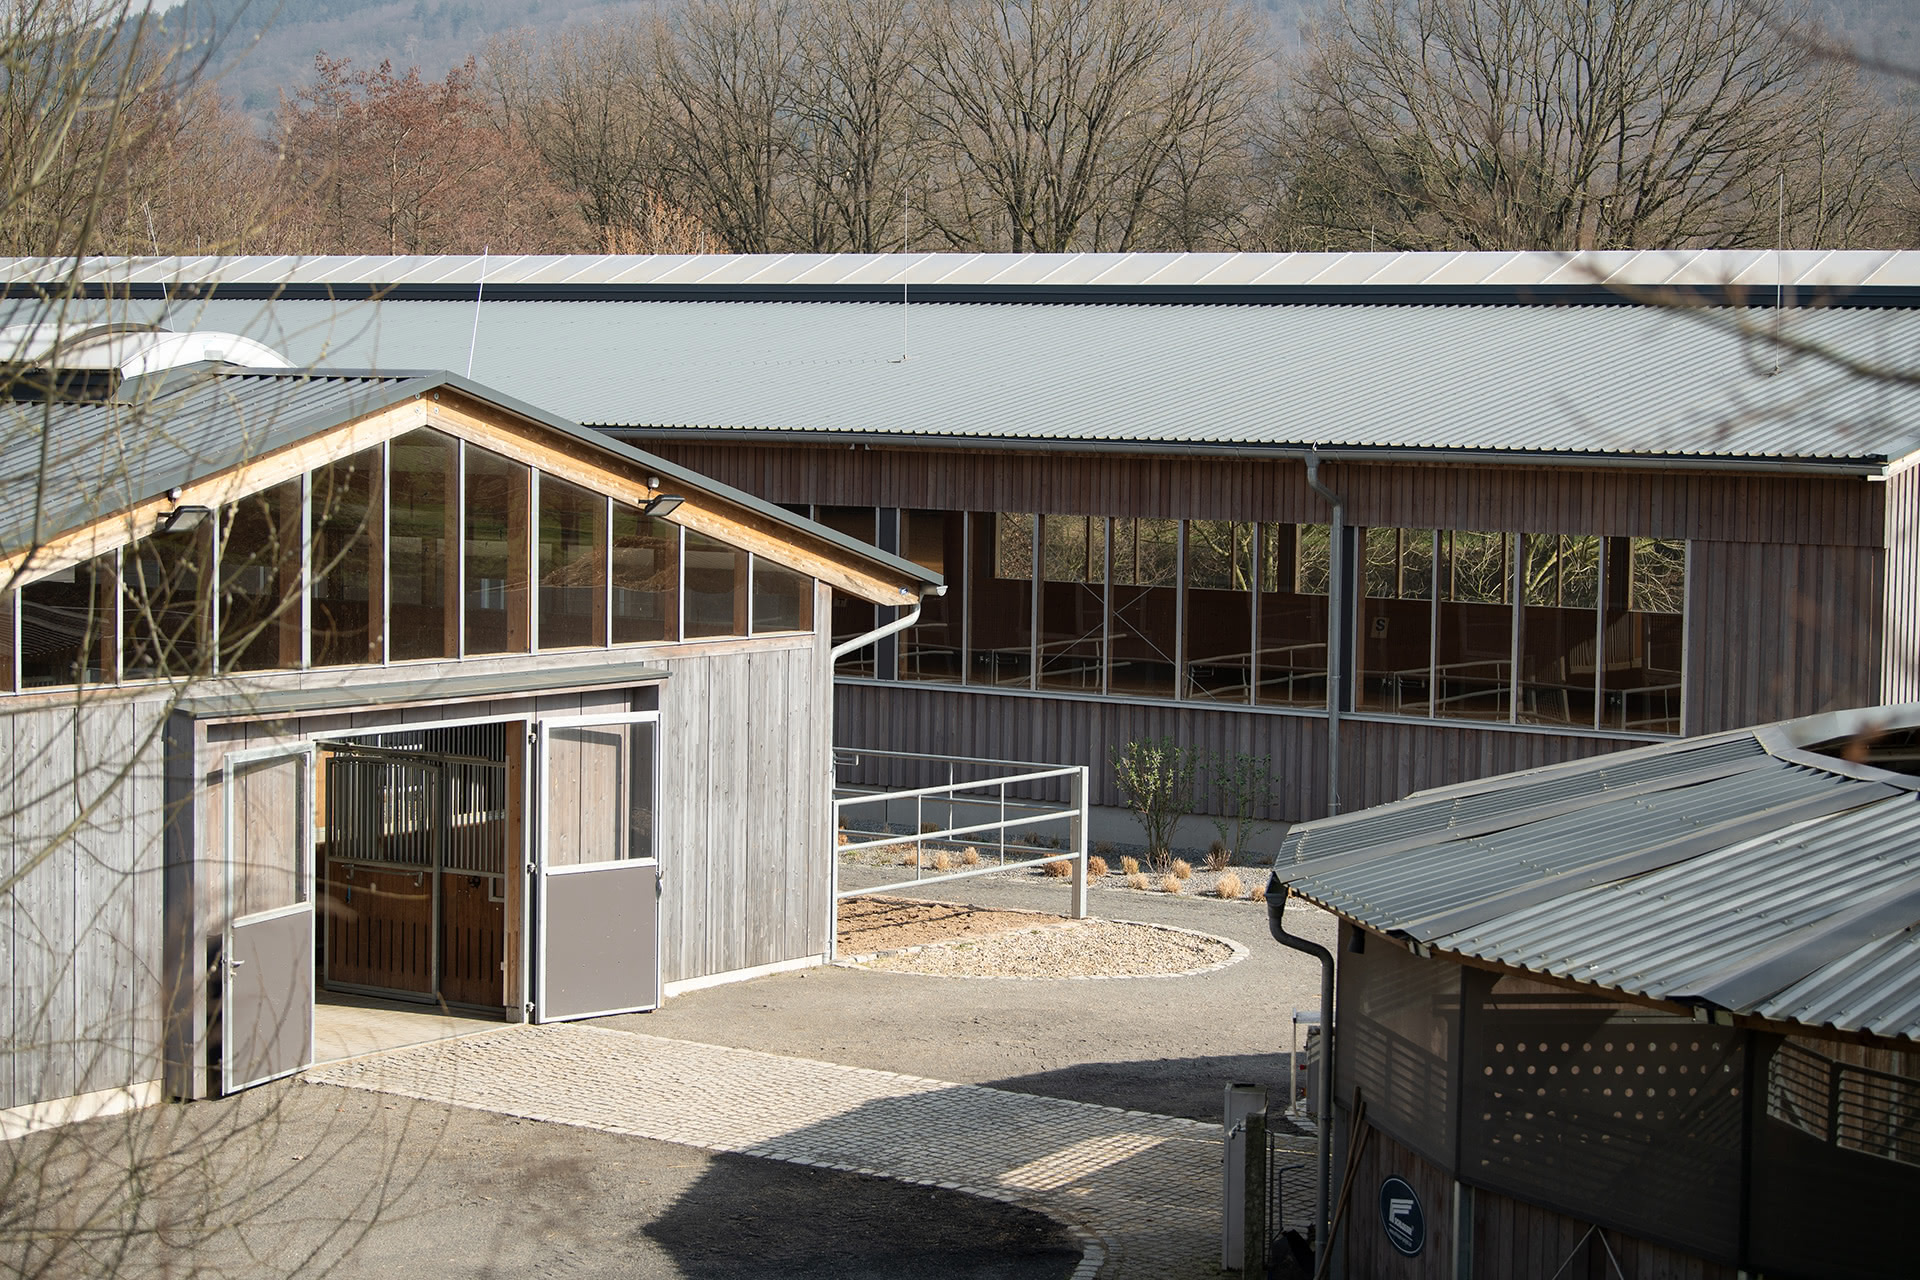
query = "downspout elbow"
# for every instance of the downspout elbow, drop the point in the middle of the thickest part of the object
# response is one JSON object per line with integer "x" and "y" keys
{"x": 1277, "y": 895}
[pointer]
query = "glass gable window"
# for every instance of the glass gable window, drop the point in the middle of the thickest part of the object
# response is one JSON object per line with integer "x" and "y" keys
{"x": 1144, "y": 629}
{"x": 67, "y": 629}
{"x": 782, "y": 598}
{"x": 423, "y": 546}
{"x": 1219, "y": 656}
{"x": 1295, "y": 567}
{"x": 1394, "y": 647}
{"x": 716, "y": 581}
{"x": 1559, "y": 630}
{"x": 646, "y": 578}
{"x": 1473, "y": 649}
{"x": 932, "y": 648}
{"x": 1001, "y": 584}
{"x": 573, "y": 566}
{"x": 1073, "y": 603}
{"x": 164, "y": 614}
{"x": 495, "y": 547}
{"x": 260, "y": 599}
{"x": 347, "y": 561}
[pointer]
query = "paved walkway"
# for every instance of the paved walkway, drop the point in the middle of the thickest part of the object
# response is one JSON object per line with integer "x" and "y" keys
{"x": 1142, "y": 1190}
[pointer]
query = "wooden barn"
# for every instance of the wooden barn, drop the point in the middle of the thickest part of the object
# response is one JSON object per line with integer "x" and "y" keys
{"x": 386, "y": 684}
{"x": 1392, "y": 520}
{"x": 1641, "y": 1017}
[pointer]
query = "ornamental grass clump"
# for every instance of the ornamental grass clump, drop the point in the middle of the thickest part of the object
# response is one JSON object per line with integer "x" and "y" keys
{"x": 1258, "y": 893}
{"x": 969, "y": 857}
{"x": 943, "y": 861}
{"x": 1218, "y": 857}
{"x": 1058, "y": 868}
{"x": 1182, "y": 869}
{"x": 1096, "y": 866}
{"x": 1138, "y": 880}
{"x": 1131, "y": 866}
{"x": 1171, "y": 884}
{"x": 1227, "y": 886}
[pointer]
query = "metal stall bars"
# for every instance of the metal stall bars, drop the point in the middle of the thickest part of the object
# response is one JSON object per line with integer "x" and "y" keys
{"x": 866, "y": 818}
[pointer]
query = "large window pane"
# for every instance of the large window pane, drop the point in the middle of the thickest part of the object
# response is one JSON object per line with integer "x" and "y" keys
{"x": 495, "y": 545}
{"x": 782, "y": 598}
{"x": 1219, "y": 610}
{"x": 260, "y": 596}
{"x": 1002, "y": 585}
{"x": 1559, "y": 629}
{"x": 67, "y": 628}
{"x": 646, "y": 578}
{"x": 1073, "y": 601}
{"x": 1293, "y": 615}
{"x": 1146, "y": 592}
{"x": 573, "y": 566}
{"x": 716, "y": 578}
{"x": 1395, "y": 644}
{"x": 931, "y": 648}
{"x": 1475, "y": 642}
{"x": 423, "y": 532}
{"x": 1646, "y": 593}
{"x": 165, "y": 606}
{"x": 347, "y": 561}
{"x": 852, "y": 616}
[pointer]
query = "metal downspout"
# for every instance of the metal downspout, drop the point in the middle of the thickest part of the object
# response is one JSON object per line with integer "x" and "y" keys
{"x": 1336, "y": 625}
{"x": 1277, "y": 895}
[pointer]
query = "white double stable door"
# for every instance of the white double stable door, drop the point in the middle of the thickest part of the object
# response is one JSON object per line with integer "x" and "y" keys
{"x": 592, "y": 913}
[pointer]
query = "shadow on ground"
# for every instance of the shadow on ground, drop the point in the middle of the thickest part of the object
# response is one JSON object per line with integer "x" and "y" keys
{"x": 1189, "y": 1087}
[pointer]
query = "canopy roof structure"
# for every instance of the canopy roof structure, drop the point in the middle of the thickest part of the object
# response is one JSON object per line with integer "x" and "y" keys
{"x": 1772, "y": 873}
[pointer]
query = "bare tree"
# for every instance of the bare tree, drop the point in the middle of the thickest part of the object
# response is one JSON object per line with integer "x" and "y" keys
{"x": 1540, "y": 124}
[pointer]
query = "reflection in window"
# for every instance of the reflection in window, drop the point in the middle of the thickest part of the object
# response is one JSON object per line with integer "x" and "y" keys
{"x": 1559, "y": 631}
{"x": 1474, "y": 643}
{"x": 852, "y": 616}
{"x": 1073, "y": 601}
{"x": 1002, "y": 588}
{"x": 498, "y": 619}
{"x": 423, "y": 539}
{"x": 1645, "y": 581}
{"x": 782, "y": 598}
{"x": 716, "y": 580}
{"x": 260, "y": 598}
{"x": 1219, "y": 611}
{"x": 164, "y": 613}
{"x": 646, "y": 577}
{"x": 1293, "y": 615}
{"x": 67, "y": 625}
{"x": 572, "y": 566}
{"x": 931, "y": 649}
{"x": 1394, "y": 647}
{"x": 1146, "y": 591}
{"x": 346, "y": 561}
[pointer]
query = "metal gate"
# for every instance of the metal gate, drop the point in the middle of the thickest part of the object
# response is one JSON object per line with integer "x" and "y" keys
{"x": 266, "y": 954}
{"x": 598, "y": 867}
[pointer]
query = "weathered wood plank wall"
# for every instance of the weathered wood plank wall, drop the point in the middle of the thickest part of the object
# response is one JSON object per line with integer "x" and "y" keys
{"x": 1900, "y": 660}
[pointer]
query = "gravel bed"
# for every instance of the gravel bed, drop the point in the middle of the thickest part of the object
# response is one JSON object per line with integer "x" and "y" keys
{"x": 1070, "y": 949}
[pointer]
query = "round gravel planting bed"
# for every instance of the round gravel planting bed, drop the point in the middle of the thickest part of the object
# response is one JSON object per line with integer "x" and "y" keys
{"x": 1086, "y": 949}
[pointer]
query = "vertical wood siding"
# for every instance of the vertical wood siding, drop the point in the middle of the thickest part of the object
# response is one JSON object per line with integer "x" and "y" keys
{"x": 1900, "y": 653}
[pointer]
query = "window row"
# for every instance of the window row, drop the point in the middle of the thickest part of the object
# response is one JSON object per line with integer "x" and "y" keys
{"x": 1235, "y": 612}
{"x": 421, "y": 548}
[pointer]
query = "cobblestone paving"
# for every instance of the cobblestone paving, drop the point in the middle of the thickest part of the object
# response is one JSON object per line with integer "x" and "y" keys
{"x": 1141, "y": 1190}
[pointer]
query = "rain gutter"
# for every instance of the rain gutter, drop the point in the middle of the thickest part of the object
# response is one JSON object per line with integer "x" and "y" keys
{"x": 1277, "y": 895}
{"x": 1336, "y": 626}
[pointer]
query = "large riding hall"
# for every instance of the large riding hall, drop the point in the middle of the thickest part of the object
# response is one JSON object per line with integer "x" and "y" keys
{"x": 322, "y": 687}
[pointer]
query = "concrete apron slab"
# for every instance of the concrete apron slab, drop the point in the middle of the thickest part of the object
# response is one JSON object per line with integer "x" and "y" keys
{"x": 1141, "y": 1191}
{"x": 350, "y": 1026}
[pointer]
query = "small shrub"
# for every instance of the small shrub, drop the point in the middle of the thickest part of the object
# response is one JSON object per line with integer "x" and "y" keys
{"x": 970, "y": 857}
{"x": 1258, "y": 892}
{"x": 911, "y": 858}
{"x": 943, "y": 861}
{"x": 1103, "y": 847}
{"x": 1096, "y": 866}
{"x": 842, "y": 838}
{"x": 1057, "y": 868}
{"x": 1218, "y": 856}
{"x": 1182, "y": 869}
{"x": 1159, "y": 857}
{"x": 1135, "y": 880}
{"x": 1130, "y": 865}
{"x": 1227, "y": 886}
{"x": 1171, "y": 884}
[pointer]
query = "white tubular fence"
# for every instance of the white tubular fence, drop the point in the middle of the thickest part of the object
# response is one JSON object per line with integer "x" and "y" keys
{"x": 978, "y": 813}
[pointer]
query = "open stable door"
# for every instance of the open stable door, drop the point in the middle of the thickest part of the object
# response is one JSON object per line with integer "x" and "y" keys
{"x": 266, "y": 956}
{"x": 597, "y": 867}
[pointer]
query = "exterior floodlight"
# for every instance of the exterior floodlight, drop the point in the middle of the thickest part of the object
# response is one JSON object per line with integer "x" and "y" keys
{"x": 184, "y": 519}
{"x": 661, "y": 505}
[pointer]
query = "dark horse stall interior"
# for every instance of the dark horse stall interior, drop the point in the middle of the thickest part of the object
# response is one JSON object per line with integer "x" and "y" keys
{"x": 416, "y": 845}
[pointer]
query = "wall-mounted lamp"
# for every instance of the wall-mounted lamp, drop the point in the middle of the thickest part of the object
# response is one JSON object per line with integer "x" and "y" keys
{"x": 184, "y": 519}
{"x": 661, "y": 504}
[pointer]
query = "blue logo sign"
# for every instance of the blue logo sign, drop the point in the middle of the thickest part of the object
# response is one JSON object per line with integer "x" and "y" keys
{"x": 1400, "y": 1214}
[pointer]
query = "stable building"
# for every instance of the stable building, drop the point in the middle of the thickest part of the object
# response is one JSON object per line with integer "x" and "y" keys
{"x": 1651, "y": 1015}
{"x": 1393, "y": 521}
{"x": 385, "y": 684}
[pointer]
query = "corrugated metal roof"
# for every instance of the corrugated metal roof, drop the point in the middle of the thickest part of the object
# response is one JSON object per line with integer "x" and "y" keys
{"x": 231, "y": 700}
{"x": 1753, "y": 269}
{"x": 1523, "y": 382}
{"x": 1777, "y": 884}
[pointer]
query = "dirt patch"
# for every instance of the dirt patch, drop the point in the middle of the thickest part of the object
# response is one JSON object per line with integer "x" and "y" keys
{"x": 1073, "y": 949}
{"x": 875, "y": 924}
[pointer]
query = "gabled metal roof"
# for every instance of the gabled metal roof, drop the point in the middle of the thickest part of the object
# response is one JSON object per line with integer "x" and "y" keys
{"x": 1561, "y": 385}
{"x": 1741, "y": 873}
